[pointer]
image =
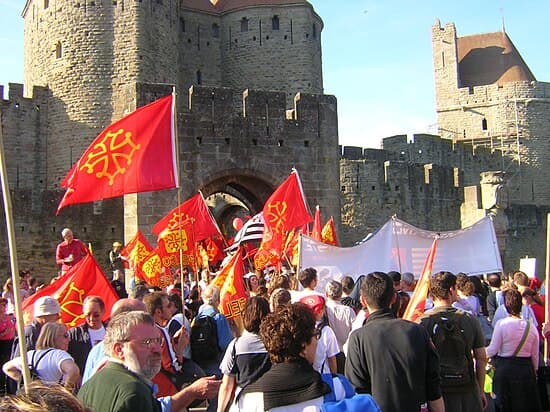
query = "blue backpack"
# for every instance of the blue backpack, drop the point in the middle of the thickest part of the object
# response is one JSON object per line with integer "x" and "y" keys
{"x": 352, "y": 402}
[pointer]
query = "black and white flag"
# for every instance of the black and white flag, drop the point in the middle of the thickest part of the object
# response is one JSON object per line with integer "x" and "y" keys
{"x": 253, "y": 229}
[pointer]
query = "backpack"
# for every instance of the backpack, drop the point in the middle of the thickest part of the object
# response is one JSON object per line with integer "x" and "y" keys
{"x": 455, "y": 357}
{"x": 204, "y": 340}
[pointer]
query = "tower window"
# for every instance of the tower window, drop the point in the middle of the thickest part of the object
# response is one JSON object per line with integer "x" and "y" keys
{"x": 314, "y": 31}
{"x": 46, "y": 4}
{"x": 484, "y": 124}
{"x": 182, "y": 24}
{"x": 199, "y": 77}
{"x": 244, "y": 24}
{"x": 275, "y": 23}
{"x": 58, "y": 50}
{"x": 215, "y": 31}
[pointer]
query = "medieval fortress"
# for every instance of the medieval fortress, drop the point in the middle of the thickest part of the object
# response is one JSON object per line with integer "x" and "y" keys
{"x": 248, "y": 78}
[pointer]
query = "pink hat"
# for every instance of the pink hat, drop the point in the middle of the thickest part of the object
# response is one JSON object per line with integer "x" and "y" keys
{"x": 315, "y": 302}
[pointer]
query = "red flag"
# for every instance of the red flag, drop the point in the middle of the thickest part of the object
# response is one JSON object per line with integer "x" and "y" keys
{"x": 214, "y": 249}
{"x": 192, "y": 215}
{"x": 135, "y": 154}
{"x": 316, "y": 231}
{"x": 136, "y": 250}
{"x": 328, "y": 233}
{"x": 83, "y": 279}
{"x": 416, "y": 305}
{"x": 153, "y": 269}
{"x": 231, "y": 283}
{"x": 173, "y": 242}
{"x": 283, "y": 211}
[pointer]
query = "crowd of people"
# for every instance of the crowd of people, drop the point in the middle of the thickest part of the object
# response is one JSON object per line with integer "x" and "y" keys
{"x": 168, "y": 350}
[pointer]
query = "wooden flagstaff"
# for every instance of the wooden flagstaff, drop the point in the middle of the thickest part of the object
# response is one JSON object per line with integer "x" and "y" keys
{"x": 546, "y": 286}
{"x": 13, "y": 260}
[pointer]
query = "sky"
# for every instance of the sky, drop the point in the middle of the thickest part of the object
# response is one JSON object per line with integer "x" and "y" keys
{"x": 377, "y": 57}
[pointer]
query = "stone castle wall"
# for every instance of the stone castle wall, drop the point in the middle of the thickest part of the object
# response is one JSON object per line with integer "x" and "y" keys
{"x": 252, "y": 149}
{"x": 375, "y": 185}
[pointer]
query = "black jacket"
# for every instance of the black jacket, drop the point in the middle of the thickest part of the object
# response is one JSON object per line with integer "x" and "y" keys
{"x": 395, "y": 361}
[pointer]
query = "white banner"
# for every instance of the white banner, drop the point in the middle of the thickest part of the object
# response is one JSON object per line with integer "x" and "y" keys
{"x": 402, "y": 247}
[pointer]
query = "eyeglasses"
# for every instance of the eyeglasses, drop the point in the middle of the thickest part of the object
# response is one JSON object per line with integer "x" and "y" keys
{"x": 147, "y": 342}
{"x": 317, "y": 334}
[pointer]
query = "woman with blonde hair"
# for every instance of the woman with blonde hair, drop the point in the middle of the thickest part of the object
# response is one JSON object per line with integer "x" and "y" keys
{"x": 50, "y": 361}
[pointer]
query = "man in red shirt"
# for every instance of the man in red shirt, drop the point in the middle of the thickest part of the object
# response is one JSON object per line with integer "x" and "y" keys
{"x": 70, "y": 251}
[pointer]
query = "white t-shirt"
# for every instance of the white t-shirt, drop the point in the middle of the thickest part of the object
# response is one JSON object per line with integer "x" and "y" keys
{"x": 96, "y": 335}
{"x": 327, "y": 347}
{"x": 49, "y": 367}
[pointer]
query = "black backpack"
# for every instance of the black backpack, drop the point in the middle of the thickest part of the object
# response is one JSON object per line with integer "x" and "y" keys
{"x": 455, "y": 357}
{"x": 204, "y": 340}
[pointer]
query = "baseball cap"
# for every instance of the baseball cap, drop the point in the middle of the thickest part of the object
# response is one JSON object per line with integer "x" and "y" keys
{"x": 315, "y": 302}
{"x": 46, "y": 305}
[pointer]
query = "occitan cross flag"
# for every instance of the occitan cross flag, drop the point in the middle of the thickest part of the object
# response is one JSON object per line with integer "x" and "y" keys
{"x": 83, "y": 279}
{"x": 135, "y": 154}
{"x": 283, "y": 211}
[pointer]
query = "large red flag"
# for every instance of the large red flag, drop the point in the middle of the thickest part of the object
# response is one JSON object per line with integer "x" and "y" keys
{"x": 135, "y": 154}
{"x": 283, "y": 211}
{"x": 316, "y": 232}
{"x": 230, "y": 281}
{"x": 83, "y": 279}
{"x": 416, "y": 306}
{"x": 328, "y": 233}
{"x": 193, "y": 216}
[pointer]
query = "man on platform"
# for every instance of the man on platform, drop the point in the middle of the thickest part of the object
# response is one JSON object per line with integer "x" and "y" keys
{"x": 70, "y": 251}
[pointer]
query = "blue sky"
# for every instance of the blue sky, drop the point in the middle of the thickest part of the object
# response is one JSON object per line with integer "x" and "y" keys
{"x": 376, "y": 55}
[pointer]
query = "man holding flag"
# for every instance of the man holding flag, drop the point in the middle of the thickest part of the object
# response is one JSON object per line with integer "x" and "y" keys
{"x": 462, "y": 383}
{"x": 407, "y": 375}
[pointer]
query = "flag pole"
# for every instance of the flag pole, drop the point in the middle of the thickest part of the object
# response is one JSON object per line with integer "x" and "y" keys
{"x": 547, "y": 285}
{"x": 13, "y": 260}
{"x": 176, "y": 148}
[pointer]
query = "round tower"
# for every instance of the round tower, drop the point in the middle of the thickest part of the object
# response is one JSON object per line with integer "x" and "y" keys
{"x": 74, "y": 48}
{"x": 271, "y": 45}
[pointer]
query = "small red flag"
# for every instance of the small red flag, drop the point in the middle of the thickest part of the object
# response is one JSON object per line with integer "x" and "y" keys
{"x": 194, "y": 216}
{"x": 329, "y": 233}
{"x": 214, "y": 249}
{"x": 316, "y": 231}
{"x": 83, "y": 279}
{"x": 283, "y": 211}
{"x": 136, "y": 250}
{"x": 135, "y": 154}
{"x": 416, "y": 306}
{"x": 153, "y": 269}
{"x": 230, "y": 281}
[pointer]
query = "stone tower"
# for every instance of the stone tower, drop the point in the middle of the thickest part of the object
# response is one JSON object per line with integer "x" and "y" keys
{"x": 85, "y": 51}
{"x": 248, "y": 79}
{"x": 487, "y": 96}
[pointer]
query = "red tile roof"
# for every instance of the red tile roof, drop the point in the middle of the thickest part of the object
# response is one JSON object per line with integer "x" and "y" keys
{"x": 227, "y": 5}
{"x": 201, "y": 5}
{"x": 490, "y": 58}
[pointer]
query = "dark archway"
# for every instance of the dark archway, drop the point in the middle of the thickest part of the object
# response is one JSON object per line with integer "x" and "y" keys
{"x": 236, "y": 195}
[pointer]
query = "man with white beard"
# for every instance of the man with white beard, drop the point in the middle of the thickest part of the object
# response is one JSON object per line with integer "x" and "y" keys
{"x": 133, "y": 344}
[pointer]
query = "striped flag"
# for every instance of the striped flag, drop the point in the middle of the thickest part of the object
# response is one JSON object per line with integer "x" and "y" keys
{"x": 416, "y": 305}
{"x": 253, "y": 229}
